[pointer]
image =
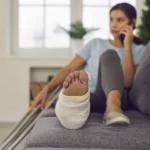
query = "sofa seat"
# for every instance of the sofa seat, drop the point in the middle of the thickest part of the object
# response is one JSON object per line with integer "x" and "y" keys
{"x": 48, "y": 134}
{"x": 67, "y": 149}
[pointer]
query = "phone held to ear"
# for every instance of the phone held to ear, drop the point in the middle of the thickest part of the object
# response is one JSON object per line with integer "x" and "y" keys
{"x": 122, "y": 36}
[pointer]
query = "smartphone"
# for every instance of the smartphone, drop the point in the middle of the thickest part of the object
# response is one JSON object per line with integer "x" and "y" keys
{"x": 122, "y": 36}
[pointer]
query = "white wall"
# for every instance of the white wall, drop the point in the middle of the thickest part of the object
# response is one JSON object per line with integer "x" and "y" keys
{"x": 140, "y": 5}
{"x": 15, "y": 81}
{"x": 1, "y": 29}
{"x": 14, "y": 99}
{"x": 5, "y": 25}
{"x": 15, "y": 72}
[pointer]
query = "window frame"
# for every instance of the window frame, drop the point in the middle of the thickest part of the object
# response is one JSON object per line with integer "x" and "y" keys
{"x": 76, "y": 14}
{"x": 51, "y": 52}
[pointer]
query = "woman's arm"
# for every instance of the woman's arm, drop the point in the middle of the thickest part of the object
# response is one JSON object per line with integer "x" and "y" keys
{"x": 58, "y": 79}
{"x": 129, "y": 68}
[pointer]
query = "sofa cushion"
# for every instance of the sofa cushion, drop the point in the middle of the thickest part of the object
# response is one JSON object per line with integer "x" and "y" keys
{"x": 70, "y": 149}
{"x": 140, "y": 92}
{"x": 48, "y": 132}
{"x": 48, "y": 113}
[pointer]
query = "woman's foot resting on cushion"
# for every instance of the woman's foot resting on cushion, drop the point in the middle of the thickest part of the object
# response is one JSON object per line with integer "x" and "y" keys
{"x": 114, "y": 113}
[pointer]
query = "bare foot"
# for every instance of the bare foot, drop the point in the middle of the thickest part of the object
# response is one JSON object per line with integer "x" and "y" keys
{"x": 76, "y": 84}
{"x": 114, "y": 106}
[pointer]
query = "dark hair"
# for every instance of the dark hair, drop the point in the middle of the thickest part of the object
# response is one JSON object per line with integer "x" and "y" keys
{"x": 130, "y": 12}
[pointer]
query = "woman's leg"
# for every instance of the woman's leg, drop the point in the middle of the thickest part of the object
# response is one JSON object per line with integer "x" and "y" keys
{"x": 110, "y": 83}
{"x": 73, "y": 106}
{"x": 112, "y": 80}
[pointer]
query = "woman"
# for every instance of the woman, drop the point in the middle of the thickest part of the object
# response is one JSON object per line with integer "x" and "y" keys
{"x": 109, "y": 67}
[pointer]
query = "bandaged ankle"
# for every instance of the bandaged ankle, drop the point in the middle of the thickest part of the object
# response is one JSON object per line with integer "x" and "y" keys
{"x": 73, "y": 111}
{"x": 69, "y": 100}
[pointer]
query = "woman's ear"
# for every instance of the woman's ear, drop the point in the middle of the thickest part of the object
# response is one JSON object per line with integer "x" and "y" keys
{"x": 132, "y": 23}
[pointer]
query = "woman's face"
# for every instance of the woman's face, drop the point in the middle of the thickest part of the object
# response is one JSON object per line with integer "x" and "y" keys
{"x": 118, "y": 20}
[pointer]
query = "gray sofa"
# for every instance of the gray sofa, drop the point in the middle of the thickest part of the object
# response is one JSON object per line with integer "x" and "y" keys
{"x": 48, "y": 134}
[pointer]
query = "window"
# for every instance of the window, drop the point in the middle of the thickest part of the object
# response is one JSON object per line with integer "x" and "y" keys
{"x": 38, "y": 20}
{"x": 35, "y": 22}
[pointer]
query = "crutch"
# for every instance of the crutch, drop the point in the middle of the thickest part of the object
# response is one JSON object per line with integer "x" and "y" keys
{"x": 15, "y": 127}
{"x": 26, "y": 120}
{"x": 22, "y": 127}
{"x": 28, "y": 129}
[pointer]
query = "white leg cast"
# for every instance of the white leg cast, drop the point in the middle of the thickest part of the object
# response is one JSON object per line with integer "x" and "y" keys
{"x": 73, "y": 111}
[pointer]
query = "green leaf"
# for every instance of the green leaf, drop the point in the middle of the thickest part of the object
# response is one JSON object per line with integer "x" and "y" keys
{"x": 77, "y": 30}
{"x": 143, "y": 30}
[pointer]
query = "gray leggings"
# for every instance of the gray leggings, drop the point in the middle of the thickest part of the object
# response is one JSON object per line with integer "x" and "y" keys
{"x": 110, "y": 77}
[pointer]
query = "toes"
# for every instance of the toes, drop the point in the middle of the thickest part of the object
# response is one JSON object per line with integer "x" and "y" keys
{"x": 68, "y": 79}
{"x": 83, "y": 72}
{"x": 76, "y": 73}
{"x": 71, "y": 75}
{"x": 65, "y": 84}
{"x": 83, "y": 76}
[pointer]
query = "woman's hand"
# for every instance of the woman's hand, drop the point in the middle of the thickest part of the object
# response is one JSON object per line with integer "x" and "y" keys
{"x": 128, "y": 32}
{"x": 40, "y": 99}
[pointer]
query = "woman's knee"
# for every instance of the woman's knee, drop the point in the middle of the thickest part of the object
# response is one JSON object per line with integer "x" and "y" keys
{"x": 109, "y": 54}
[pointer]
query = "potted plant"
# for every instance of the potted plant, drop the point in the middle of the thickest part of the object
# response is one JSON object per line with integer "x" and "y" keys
{"x": 76, "y": 32}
